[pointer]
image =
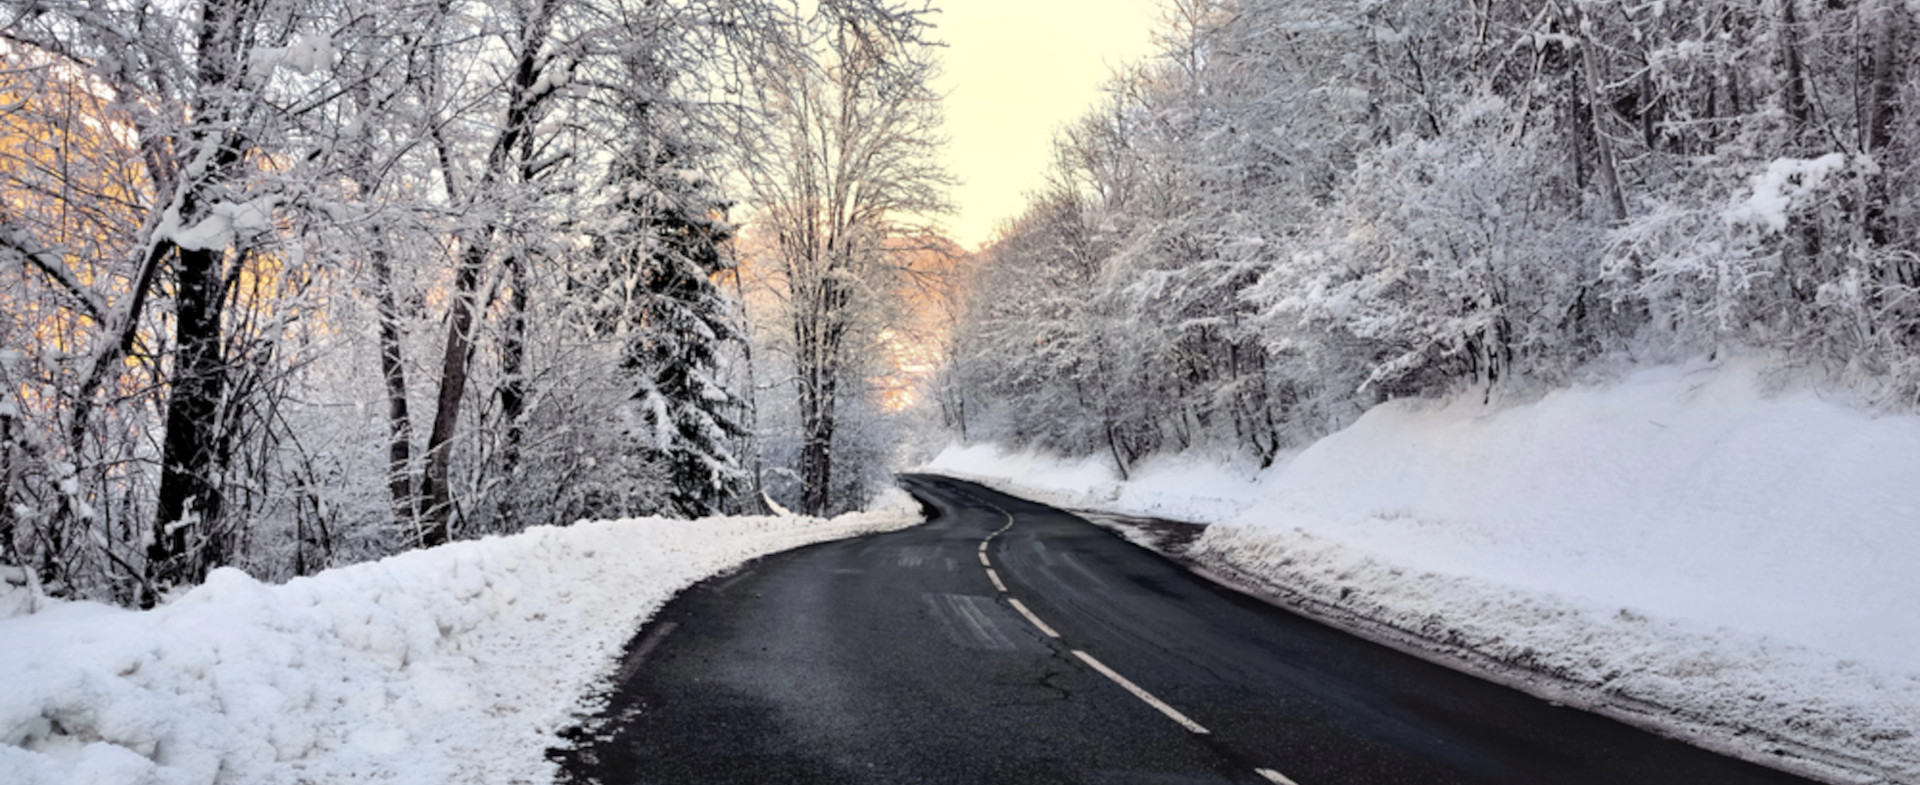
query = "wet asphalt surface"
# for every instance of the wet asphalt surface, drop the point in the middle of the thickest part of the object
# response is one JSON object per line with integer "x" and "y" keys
{"x": 894, "y": 658}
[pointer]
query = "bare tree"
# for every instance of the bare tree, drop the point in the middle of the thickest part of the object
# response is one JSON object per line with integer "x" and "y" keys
{"x": 843, "y": 182}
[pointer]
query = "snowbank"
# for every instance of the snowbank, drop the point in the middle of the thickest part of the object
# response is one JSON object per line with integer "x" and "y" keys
{"x": 451, "y": 665}
{"x": 1181, "y": 487}
{"x": 1678, "y": 549}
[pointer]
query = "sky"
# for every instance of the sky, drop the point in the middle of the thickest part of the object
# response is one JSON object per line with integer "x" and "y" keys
{"x": 1016, "y": 72}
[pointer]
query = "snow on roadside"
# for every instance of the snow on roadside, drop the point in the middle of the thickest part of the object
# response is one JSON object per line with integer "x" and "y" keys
{"x": 1678, "y": 548}
{"x": 1181, "y": 487}
{"x": 451, "y": 665}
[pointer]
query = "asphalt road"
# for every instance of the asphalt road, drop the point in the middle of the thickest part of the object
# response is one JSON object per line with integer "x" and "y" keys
{"x": 896, "y": 658}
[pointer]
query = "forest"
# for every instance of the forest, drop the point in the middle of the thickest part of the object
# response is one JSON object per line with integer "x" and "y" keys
{"x": 292, "y": 285}
{"x": 1303, "y": 208}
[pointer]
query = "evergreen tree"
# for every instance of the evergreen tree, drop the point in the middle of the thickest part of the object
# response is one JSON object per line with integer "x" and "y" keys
{"x": 663, "y": 241}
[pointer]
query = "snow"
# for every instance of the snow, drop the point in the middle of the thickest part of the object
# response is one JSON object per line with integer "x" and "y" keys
{"x": 224, "y": 221}
{"x": 451, "y": 665}
{"x": 305, "y": 54}
{"x": 1786, "y": 180}
{"x": 1184, "y": 487}
{"x": 553, "y": 78}
{"x": 1681, "y": 547}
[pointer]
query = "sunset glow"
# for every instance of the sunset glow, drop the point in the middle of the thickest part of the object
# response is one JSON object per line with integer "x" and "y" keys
{"x": 1016, "y": 72}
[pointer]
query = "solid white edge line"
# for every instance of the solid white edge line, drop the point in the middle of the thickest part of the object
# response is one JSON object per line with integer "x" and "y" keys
{"x": 996, "y": 580}
{"x": 1274, "y": 777}
{"x": 1170, "y": 711}
{"x": 1022, "y": 608}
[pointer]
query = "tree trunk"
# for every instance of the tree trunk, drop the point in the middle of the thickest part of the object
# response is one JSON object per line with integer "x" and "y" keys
{"x": 522, "y": 107}
{"x": 513, "y": 390}
{"x": 816, "y": 453}
{"x": 1804, "y": 252}
{"x": 1883, "y": 104}
{"x": 185, "y": 538}
{"x": 436, "y": 495}
{"x": 819, "y": 386}
{"x": 1603, "y": 148}
{"x": 750, "y": 441}
{"x": 393, "y": 370}
{"x": 1113, "y": 446}
{"x": 9, "y": 478}
{"x": 1794, "y": 95}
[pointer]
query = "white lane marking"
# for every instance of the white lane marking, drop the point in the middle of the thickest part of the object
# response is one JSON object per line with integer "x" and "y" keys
{"x": 1171, "y": 712}
{"x": 1022, "y": 608}
{"x": 1274, "y": 777}
{"x": 996, "y": 580}
{"x": 983, "y": 546}
{"x": 996, "y": 508}
{"x": 983, "y": 560}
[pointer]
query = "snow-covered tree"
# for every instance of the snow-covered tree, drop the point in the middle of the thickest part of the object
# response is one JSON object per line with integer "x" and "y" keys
{"x": 665, "y": 238}
{"x": 249, "y": 242}
{"x": 842, "y": 180}
{"x": 1307, "y": 207}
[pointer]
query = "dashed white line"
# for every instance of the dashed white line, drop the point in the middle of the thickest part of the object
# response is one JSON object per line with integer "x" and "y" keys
{"x": 1003, "y": 513}
{"x": 1174, "y": 714}
{"x": 1170, "y": 711}
{"x": 1022, "y": 608}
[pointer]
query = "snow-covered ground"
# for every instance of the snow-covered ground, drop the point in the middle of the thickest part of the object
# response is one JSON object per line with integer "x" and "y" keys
{"x": 1679, "y": 548}
{"x": 451, "y": 665}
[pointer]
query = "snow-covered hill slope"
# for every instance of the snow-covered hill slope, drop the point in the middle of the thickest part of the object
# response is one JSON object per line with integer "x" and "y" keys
{"x": 1678, "y": 548}
{"x": 450, "y": 665}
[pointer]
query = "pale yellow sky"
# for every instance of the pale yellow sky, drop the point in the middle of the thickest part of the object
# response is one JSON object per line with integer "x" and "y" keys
{"x": 1016, "y": 72}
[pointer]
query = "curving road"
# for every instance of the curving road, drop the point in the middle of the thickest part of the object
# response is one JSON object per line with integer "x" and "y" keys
{"x": 1008, "y": 642}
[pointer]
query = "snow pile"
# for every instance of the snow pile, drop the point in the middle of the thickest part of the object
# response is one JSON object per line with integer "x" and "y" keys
{"x": 1786, "y": 182}
{"x": 1679, "y": 548}
{"x": 451, "y": 665}
{"x": 1180, "y": 487}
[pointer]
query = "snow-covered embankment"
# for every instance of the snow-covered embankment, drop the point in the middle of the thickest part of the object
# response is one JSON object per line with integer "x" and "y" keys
{"x": 450, "y": 665}
{"x": 1677, "y": 549}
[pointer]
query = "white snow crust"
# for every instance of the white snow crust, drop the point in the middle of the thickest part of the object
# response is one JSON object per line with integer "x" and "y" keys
{"x": 1682, "y": 547}
{"x": 450, "y": 665}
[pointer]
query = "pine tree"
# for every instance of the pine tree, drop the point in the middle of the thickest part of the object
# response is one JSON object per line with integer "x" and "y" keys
{"x": 665, "y": 238}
